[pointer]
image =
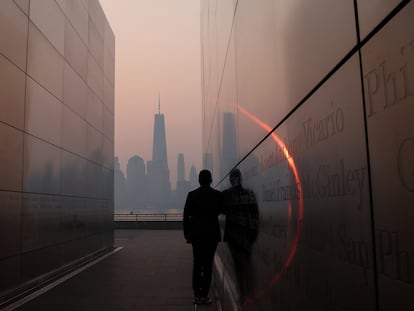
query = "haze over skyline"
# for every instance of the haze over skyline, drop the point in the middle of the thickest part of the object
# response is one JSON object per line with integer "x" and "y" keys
{"x": 157, "y": 53}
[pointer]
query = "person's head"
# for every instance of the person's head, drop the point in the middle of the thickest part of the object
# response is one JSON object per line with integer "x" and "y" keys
{"x": 204, "y": 178}
{"x": 235, "y": 177}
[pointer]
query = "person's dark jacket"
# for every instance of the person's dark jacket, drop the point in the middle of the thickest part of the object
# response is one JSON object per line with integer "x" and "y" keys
{"x": 201, "y": 211}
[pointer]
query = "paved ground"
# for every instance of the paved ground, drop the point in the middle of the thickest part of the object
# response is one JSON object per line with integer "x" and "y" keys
{"x": 151, "y": 272}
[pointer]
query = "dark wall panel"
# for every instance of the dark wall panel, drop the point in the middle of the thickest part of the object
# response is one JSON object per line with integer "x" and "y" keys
{"x": 388, "y": 62}
{"x": 325, "y": 218}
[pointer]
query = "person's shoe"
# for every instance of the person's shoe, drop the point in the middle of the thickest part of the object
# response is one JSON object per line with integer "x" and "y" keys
{"x": 204, "y": 301}
{"x": 196, "y": 300}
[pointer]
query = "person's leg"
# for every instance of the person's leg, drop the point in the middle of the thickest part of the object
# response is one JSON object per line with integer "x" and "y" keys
{"x": 207, "y": 269}
{"x": 197, "y": 269}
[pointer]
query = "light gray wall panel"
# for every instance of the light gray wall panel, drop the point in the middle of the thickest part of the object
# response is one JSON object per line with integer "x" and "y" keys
{"x": 43, "y": 113}
{"x": 388, "y": 62}
{"x": 12, "y": 84}
{"x": 10, "y": 211}
{"x": 48, "y": 17}
{"x": 75, "y": 91}
{"x": 44, "y": 64}
{"x": 42, "y": 166}
{"x": 11, "y": 157}
{"x": 13, "y": 33}
{"x": 76, "y": 51}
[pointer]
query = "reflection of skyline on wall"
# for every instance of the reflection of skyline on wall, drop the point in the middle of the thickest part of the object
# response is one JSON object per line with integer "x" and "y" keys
{"x": 229, "y": 152}
{"x": 322, "y": 93}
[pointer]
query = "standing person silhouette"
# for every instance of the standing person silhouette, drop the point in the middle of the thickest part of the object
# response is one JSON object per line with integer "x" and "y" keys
{"x": 241, "y": 230}
{"x": 202, "y": 230}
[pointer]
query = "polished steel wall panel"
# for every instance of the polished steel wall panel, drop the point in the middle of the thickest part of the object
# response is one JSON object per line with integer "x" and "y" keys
{"x": 42, "y": 166}
{"x": 108, "y": 150}
{"x": 109, "y": 96}
{"x": 56, "y": 196}
{"x": 371, "y": 13}
{"x": 73, "y": 181}
{"x": 49, "y": 18}
{"x": 95, "y": 78}
{"x": 38, "y": 262}
{"x": 94, "y": 111}
{"x": 11, "y": 158}
{"x": 310, "y": 180}
{"x": 40, "y": 221}
{"x": 109, "y": 66}
{"x": 285, "y": 49}
{"x": 108, "y": 184}
{"x": 109, "y": 40}
{"x": 23, "y": 5}
{"x": 388, "y": 64}
{"x": 75, "y": 91}
{"x": 44, "y": 63}
{"x": 62, "y": 4}
{"x": 96, "y": 43}
{"x": 73, "y": 225}
{"x": 74, "y": 136}
{"x": 93, "y": 181}
{"x": 10, "y": 221}
{"x": 76, "y": 51}
{"x": 43, "y": 113}
{"x": 109, "y": 54}
{"x": 77, "y": 15}
{"x": 10, "y": 273}
{"x": 97, "y": 16}
{"x": 13, "y": 33}
{"x": 317, "y": 241}
{"x": 12, "y": 84}
{"x": 94, "y": 149}
{"x": 108, "y": 124}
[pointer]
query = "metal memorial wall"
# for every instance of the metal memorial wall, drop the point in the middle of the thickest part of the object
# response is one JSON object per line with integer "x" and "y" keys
{"x": 56, "y": 137}
{"x": 313, "y": 103}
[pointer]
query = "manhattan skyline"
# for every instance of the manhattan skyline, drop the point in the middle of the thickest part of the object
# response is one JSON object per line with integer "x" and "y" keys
{"x": 157, "y": 53}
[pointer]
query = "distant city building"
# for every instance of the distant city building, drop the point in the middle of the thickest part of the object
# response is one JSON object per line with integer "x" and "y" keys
{"x": 136, "y": 183}
{"x": 120, "y": 188}
{"x": 193, "y": 178}
{"x": 182, "y": 184}
{"x": 180, "y": 168}
{"x": 159, "y": 188}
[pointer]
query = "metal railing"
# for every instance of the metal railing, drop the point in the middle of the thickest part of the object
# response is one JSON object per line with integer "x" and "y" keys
{"x": 149, "y": 217}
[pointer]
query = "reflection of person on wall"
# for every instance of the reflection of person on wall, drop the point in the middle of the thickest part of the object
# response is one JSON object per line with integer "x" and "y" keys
{"x": 241, "y": 229}
{"x": 201, "y": 229}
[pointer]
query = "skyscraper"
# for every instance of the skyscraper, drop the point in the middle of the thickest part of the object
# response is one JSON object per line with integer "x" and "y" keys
{"x": 182, "y": 184}
{"x": 136, "y": 183}
{"x": 229, "y": 147}
{"x": 193, "y": 178}
{"x": 159, "y": 191}
{"x": 120, "y": 187}
{"x": 180, "y": 168}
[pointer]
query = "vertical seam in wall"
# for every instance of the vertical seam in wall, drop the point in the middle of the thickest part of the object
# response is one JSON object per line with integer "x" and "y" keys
{"x": 20, "y": 280}
{"x": 367, "y": 154}
{"x": 236, "y": 87}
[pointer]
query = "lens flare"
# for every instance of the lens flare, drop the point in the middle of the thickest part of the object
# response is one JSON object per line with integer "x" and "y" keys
{"x": 293, "y": 248}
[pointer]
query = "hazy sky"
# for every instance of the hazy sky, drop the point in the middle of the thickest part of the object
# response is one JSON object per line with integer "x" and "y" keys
{"x": 157, "y": 51}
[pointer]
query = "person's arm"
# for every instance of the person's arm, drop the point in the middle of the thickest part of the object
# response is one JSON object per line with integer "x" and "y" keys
{"x": 187, "y": 219}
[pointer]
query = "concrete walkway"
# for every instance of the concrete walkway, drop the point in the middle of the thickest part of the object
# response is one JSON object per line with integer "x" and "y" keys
{"x": 151, "y": 272}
